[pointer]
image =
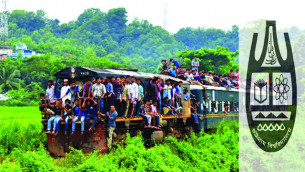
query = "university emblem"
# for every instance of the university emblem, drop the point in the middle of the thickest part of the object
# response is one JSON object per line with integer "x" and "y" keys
{"x": 271, "y": 92}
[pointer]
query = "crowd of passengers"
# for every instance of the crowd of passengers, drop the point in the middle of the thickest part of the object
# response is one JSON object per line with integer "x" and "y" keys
{"x": 196, "y": 76}
{"x": 123, "y": 97}
{"x": 112, "y": 98}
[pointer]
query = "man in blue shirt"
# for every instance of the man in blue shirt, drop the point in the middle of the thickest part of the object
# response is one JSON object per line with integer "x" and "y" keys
{"x": 175, "y": 63}
{"x": 109, "y": 94}
{"x": 195, "y": 64}
{"x": 111, "y": 115}
{"x": 172, "y": 71}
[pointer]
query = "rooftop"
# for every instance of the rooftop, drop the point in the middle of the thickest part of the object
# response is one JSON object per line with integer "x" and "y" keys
{"x": 5, "y": 47}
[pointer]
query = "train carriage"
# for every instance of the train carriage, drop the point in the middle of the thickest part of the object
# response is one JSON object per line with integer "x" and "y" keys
{"x": 177, "y": 126}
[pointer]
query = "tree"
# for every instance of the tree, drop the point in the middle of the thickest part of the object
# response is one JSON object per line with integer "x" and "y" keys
{"x": 9, "y": 78}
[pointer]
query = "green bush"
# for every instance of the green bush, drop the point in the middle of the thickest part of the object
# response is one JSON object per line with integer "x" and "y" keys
{"x": 38, "y": 160}
{"x": 19, "y": 136}
{"x": 21, "y": 149}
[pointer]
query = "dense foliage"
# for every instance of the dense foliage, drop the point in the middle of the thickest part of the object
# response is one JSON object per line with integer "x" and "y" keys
{"x": 103, "y": 40}
{"x": 200, "y": 152}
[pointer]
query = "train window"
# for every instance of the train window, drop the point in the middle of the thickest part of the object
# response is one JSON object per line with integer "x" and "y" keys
{"x": 232, "y": 107}
{"x": 219, "y": 106}
{"x": 236, "y": 108}
{"x": 213, "y": 106}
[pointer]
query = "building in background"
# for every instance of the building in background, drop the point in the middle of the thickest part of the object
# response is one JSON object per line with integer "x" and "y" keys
{"x": 5, "y": 51}
{"x": 23, "y": 51}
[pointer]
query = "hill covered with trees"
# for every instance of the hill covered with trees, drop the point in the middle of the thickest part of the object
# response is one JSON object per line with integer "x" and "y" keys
{"x": 102, "y": 40}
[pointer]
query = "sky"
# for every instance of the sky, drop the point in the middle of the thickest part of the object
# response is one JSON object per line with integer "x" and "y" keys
{"x": 175, "y": 14}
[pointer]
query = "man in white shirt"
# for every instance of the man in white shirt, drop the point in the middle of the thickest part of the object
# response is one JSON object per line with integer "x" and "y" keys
{"x": 64, "y": 93}
{"x": 50, "y": 91}
{"x": 99, "y": 91}
{"x": 167, "y": 90}
{"x": 134, "y": 93}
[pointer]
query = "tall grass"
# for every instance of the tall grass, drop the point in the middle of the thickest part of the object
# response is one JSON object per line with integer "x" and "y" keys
{"x": 21, "y": 149}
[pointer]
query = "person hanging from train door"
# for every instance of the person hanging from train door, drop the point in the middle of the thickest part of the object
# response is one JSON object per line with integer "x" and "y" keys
{"x": 67, "y": 114}
{"x": 73, "y": 91}
{"x": 194, "y": 111}
{"x": 144, "y": 113}
{"x": 98, "y": 93}
{"x": 91, "y": 112}
{"x": 111, "y": 115}
{"x": 134, "y": 94}
{"x": 64, "y": 92}
{"x": 109, "y": 94}
{"x": 78, "y": 113}
{"x": 56, "y": 108}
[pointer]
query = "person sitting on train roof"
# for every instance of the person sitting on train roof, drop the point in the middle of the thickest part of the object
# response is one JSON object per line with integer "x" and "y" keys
{"x": 44, "y": 105}
{"x": 73, "y": 90}
{"x": 134, "y": 94}
{"x": 78, "y": 112}
{"x": 231, "y": 73}
{"x": 235, "y": 83}
{"x": 109, "y": 93}
{"x": 154, "y": 113}
{"x": 168, "y": 109}
{"x": 67, "y": 113}
{"x": 56, "y": 108}
{"x": 194, "y": 112}
{"x": 173, "y": 71}
{"x": 181, "y": 73}
{"x": 111, "y": 115}
{"x": 144, "y": 113}
{"x": 87, "y": 89}
{"x": 228, "y": 84}
{"x": 64, "y": 91}
{"x": 236, "y": 74}
{"x": 98, "y": 93}
{"x": 50, "y": 92}
{"x": 91, "y": 112}
{"x": 174, "y": 62}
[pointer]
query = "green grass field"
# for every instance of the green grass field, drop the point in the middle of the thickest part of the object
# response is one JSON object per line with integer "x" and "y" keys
{"x": 24, "y": 114}
{"x": 22, "y": 148}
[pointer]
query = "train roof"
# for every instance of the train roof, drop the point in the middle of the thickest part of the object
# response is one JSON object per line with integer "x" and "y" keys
{"x": 121, "y": 72}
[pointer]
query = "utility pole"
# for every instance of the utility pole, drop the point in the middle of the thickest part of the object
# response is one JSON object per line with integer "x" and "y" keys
{"x": 3, "y": 23}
